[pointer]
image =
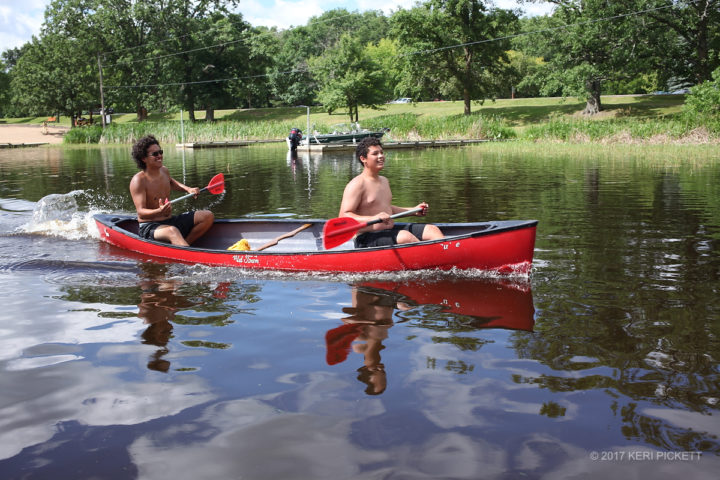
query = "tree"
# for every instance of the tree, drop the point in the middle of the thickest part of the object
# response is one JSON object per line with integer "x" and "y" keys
{"x": 192, "y": 29}
{"x": 129, "y": 33}
{"x": 384, "y": 54}
{"x": 697, "y": 25}
{"x": 291, "y": 81}
{"x": 455, "y": 45}
{"x": 587, "y": 43}
{"x": 53, "y": 76}
{"x": 4, "y": 89}
{"x": 348, "y": 76}
{"x": 251, "y": 70}
{"x": 57, "y": 73}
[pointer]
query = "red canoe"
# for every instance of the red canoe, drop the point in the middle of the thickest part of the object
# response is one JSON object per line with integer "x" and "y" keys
{"x": 502, "y": 246}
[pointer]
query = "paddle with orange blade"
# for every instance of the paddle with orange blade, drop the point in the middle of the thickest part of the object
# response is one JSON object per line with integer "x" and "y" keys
{"x": 339, "y": 230}
{"x": 216, "y": 186}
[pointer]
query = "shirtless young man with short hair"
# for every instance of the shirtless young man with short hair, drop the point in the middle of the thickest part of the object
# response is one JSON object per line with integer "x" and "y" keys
{"x": 368, "y": 197}
{"x": 150, "y": 191}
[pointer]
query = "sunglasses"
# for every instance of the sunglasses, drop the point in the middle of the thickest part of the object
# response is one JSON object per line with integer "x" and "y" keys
{"x": 156, "y": 153}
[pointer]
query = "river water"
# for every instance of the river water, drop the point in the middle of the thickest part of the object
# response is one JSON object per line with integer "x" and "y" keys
{"x": 602, "y": 362}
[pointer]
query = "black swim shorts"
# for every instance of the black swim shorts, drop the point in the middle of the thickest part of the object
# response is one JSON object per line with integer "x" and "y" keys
{"x": 389, "y": 236}
{"x": 184, "y": 222}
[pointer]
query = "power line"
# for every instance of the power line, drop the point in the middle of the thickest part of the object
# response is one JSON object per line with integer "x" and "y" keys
{"x": 160, "y": 57}
{"x": 199, "y": 48}
{"x": 545, "y": 30}
{"x": 507, "y": 37}
{"x": 198, "y": 82}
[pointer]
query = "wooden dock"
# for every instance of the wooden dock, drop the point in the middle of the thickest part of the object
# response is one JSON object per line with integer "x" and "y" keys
{"x": 336, "y": 147}
{"x": 21, "y": 145}
{"x": 228, "y": 144}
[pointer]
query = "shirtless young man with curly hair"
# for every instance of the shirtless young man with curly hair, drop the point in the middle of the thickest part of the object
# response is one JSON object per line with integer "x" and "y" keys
{"x": 150, "y": 190}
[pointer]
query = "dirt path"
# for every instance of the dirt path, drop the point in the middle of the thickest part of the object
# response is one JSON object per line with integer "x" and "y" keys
{"x": 18, "y": 134}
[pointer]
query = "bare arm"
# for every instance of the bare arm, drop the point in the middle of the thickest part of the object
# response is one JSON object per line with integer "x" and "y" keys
{"x": 350, "y": 203}
{"x": 175, "y": 185}
{"x": 424, "y": 206}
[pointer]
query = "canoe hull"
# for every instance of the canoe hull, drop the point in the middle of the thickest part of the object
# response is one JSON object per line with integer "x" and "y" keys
{"x": 505, "y": 247}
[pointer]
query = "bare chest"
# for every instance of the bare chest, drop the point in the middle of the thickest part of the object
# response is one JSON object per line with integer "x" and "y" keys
{"x": 157, "y": 188}
{"x": 376, "y": 197}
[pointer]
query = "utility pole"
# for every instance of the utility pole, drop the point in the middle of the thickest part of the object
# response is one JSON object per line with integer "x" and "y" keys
{"x": 102, "y": 97}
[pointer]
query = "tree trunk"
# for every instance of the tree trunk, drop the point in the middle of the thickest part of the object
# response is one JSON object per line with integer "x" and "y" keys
{"x": 141, "y": 113}
{"x": 593, "y": 105}
{"x": 702, "y": 69}
{"x": 191, "y": 114}
{"x": 467, "y": 80}
{"x": 466, "y": 98}
{"x": 209, "y": 114}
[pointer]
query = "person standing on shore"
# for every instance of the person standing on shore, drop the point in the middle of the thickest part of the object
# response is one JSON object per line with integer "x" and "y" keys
{"x": 150, "y": 191}
{"x": 368, "y": 197}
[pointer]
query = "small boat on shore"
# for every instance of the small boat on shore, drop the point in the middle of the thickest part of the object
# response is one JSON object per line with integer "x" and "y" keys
{"x": 297, "y": 245}
{"x": 346, "y": 135}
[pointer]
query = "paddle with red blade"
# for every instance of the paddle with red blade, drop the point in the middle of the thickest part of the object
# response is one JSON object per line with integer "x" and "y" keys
{"x": 339, "y": 230}
{"x": 216, "y": 186}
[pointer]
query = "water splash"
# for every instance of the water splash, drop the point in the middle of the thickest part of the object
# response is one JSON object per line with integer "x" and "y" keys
{"x": 68, "y": 216}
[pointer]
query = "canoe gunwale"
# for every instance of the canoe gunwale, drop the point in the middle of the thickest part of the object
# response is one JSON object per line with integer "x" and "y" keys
{"x": 113, "y": 221}
{"x": 505, "y": 247}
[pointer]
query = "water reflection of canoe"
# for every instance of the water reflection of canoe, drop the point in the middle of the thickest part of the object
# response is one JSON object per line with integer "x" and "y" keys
{"x": 491, "y": 303}
{"x": 503, "y": 246}
{"x": 463, "y": 305}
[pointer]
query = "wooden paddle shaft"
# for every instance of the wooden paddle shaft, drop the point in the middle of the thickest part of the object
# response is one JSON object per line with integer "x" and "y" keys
{"x": 282, "y": 237}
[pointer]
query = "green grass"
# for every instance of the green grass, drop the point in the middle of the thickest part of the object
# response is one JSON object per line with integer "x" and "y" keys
{"x": 625, "y": 118}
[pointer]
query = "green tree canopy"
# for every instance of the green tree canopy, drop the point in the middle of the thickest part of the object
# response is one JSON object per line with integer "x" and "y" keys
{"x": 348, "y": 76}
{"x": 587, "y": 43}
{"x": 456, "y": 47}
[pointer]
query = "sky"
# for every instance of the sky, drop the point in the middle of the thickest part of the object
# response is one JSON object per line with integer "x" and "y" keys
{"x": 21, "y": 19}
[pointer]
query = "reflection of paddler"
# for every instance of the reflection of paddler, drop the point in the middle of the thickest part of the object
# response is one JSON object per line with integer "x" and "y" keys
{"x": 367, "y": 326}
{"x": 158, "y": 304}
{"x": 157, "y": 310}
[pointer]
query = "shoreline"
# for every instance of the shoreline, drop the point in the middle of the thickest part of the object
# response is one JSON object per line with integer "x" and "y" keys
{"x": 14, "y": 135}
{"x": 18, "y": 135}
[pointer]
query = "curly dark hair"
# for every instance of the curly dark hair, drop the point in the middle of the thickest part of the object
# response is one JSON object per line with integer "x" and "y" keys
{"x": 139, "y": 150}
{"x": 362, "y": 148}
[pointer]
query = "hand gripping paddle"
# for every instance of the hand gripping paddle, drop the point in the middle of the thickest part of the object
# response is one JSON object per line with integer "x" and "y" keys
{"x": 216, "y": 186}
{"x": 339, "y": 230}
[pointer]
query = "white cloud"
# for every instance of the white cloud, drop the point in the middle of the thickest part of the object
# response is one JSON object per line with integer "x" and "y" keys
{"x": 19, "y": 21}
{"x": 286, "y": 13}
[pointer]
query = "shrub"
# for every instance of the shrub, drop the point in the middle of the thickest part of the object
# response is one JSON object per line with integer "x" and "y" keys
{"x": 704, "y": 99}
{"x": 89, "y": 134}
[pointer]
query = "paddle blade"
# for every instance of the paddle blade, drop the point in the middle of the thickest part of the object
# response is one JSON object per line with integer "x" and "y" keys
{"x": 339, "y": 230}
{"x": 217, "y": 184}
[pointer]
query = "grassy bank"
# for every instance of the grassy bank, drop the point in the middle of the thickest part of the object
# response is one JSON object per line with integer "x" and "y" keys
{"x": 625, "y": 119}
